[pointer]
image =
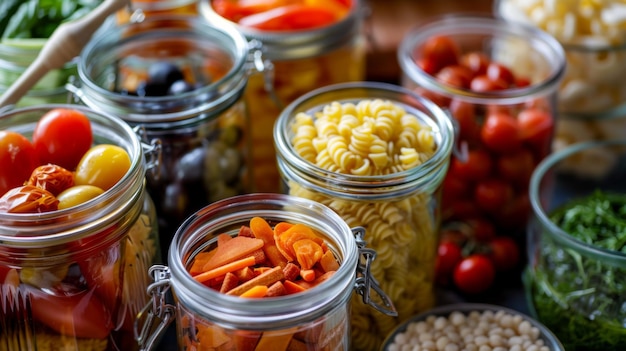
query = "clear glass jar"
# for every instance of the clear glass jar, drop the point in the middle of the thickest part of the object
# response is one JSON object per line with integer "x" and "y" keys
{"x": 299, "y": 61}
{"x": 399, "y": 210}
{"x": 150, "y": 8}
{"x": 315, "y": 319}
{"x": 592, "y": 95}
{"x": 203, "y": 131}
{"x": 577, "y": 251}
{"x": 502, "y": 96}
{"x": 74, "y": 279}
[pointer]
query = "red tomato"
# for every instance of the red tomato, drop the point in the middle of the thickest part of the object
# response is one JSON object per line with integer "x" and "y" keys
{"x": 291, "y": 17}
{"x": 448, "y": 256}
{"x": 516, "y": 167}
{"x": 442, "y": 50}
{"x": 483, "y": 84}
{"x": 497, "y": 71}
{"x": 478, "y": 166}
{"x": 81, "y": 315}
{"x": 28, "y": 199}
{"x": 51, "y": 177}
{"x": 504, "y": 253}
{"x": 102, "y": 274}
{"x": 459, "y": 209}
{"x": 493, "y": 194}
{"x": 454, "y": 187}
{"x": 62, "y": 136}
{"x": 477, "y": 62}
{"x": 17, "y": 160}
{"x": 481, "y": 229}
{"x": 428, "y": 66}
{"x": 465, "y": 114}
{"x": 536, "y": 127}
{"x": 456, "y": 76}
{"x": 501, "y": 133}
{"x": 515, "y": 214}
{"x": 474, "y": 274}
{"x": 522, "y": 82}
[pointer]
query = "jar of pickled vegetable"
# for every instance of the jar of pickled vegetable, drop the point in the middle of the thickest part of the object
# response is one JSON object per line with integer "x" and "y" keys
{"x": 376, "y": 154}
{"x": 577, "y": 246}
{"x": 263, "y": 272}
{"x": 73, "y": 262}
{"x": 309, "y": 44}
{"x": 150, "y": 8}
{"x": 499, "y": 83}
{"x": 181, "y": 81}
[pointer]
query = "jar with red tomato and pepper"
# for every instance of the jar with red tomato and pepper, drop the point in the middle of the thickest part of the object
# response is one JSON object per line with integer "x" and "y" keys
{"x": 307, "y": 44}
{"x": 77, "y": 227}
{"x": 498, "y": 81}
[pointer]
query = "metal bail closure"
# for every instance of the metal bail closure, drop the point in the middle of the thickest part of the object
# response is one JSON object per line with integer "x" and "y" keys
{"x": 152, "y": 321}
{"x": 152, "y": 148}
{"x": 365, "y": 283}
{"x": 265, "y": 67}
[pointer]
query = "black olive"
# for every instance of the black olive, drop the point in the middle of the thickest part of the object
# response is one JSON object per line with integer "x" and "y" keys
{"x": 151, "y": 88}
{"x": 164, "y": 73}
{"x": 180, "y": 87}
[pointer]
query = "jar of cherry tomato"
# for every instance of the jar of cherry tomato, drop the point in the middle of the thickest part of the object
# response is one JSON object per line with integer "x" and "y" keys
{"x": 181, "y": 81}
{"x": 499, "y": 82}
{"x": 376, "y": 154}
{"x": 74, "y": 277}
{"x": 309, "y": 44}
{"x": 301, "y": 317}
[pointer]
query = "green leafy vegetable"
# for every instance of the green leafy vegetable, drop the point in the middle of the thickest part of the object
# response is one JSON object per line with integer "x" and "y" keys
{"x": 581, "y": 297}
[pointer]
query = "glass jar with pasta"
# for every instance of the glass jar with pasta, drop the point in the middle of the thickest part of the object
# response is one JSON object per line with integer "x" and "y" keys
{"x": 181, "y": 81}
{"x": 376, "y": 154}
{"x": 307, "y": 44}
{"x": 592, "y": 95}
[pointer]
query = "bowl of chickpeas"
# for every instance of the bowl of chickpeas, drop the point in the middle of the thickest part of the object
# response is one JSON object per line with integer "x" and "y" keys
{"x": 472, "y": 327}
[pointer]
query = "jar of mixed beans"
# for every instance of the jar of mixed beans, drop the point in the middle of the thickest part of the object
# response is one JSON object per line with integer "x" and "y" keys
{"x": 376, "y": 154}
{"x": 74, "y": 254}
{"x": 180, "y": 80}
{"x": 308, "y": 45}
{"x": 499, "y": 82}
{"x": 262, "y": 272}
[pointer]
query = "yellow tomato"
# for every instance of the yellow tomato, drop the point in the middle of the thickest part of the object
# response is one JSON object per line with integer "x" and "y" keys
{"x": 102, "y": 166}
{"x": 78, "y": 194}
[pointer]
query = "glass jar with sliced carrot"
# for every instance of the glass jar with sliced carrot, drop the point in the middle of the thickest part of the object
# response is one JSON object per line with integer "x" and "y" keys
{"x": 77, "y": 239}
{"x": 307, "y": 44}
{"x": 264, "y": 272}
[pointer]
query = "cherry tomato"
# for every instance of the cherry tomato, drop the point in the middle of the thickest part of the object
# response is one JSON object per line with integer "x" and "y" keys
{"x": 497, "y": 71}
{"x": 515, "y": 214}
{"x": 516, "y": 167}
{"x": 501, "y": 133}
{"x": 478, "y": 166}
{"x": 483, "y": 84}
{"x": 449, "y": 254}
{"x": 477, "y": 62}
{"x": 454, "y": 187}
{"x": 536, "y": 127}
{"x": 62, "y": 136}
{"x": 102, "y": 166}
{"x": 474, "y": 274}
{"x": 504, "y": 253}
{"x": 465, "y": 114}
{"x": 17, "y": 160}
{"x": 28, "y": 199}
{"x": 493, "y": 194}
{"x": 459, "y": 209}
{"x": 77, "y": 195}
{"x": 51, "y": 177}
{"x": 441, "y": 50}
{"x": 80, "y": 314}
{"x": 481, "y": 229}
{"x": 456, "y": 76}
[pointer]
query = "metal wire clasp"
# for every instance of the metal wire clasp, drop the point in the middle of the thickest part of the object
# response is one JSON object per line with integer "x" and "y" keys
{"x": 264, "y": 66}
{"x": 366, "y": 283}
{"x": 153, "y": 320}
{"x": 152, "y": 148}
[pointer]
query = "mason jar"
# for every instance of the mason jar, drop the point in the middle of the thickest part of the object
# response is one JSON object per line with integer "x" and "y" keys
{"x": 314, "y": 319}
{"x": 148, "y": 8}
{"x": 499, "y": 82}
{"x": 376, "y": 154}
{"x": 75, "y": 278}
{"x": 298, "y": 61}
{"x": 202, "y": 122}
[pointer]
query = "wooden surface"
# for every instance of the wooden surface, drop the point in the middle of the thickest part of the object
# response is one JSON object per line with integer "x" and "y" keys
{"x": 390, "y": 20}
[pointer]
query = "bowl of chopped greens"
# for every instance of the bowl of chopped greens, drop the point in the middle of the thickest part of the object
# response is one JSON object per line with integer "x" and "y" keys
{"x": 576, "y": 277}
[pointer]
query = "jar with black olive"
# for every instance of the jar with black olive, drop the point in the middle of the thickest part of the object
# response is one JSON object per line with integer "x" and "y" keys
{"x": 75, "y": 277}
{"x": 179, "y": 80}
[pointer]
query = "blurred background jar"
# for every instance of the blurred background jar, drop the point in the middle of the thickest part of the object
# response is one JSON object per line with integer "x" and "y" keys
{"x": 75, "y": 278}
{"x": 22, "y": 36}
{"x": 499, "y": 83}
{"x": 592, "y": 95}
{"x": 312, "y": 319}
{"x": 307, "y": 45}
{"x": 180, "y": 80}
{"x": 376, "y": 154}
{"x": 577, "y": 246}
{"x": 148, "y": 8}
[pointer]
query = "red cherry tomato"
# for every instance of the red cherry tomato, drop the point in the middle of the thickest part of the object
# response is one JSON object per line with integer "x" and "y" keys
{"x": 478, "y": 166}
{"x": 481, "y": 229}
{"x": 536, "y": 127}
{"x": 474, "y": 274}
{"x": 501, "y": 133}
{"x": 51, "y": 177}
{"x": 465, "y": 115}
{"x": 441, "y": 50}
{"x": 483, "y": 84}
{"x": 493, "y": 194}
{"x": 497, "y": 71}
{"x": 28, "y": 199}
{"x": 455, "y": 187}
{"x": 62, "y": 136}
{"x": 477, "y": 62}
{"x": 17, "y": 160}
{"x": 516, "y": 167}
{"x": 515, "y": 214}
{"x": 504, "y": 253}
{"x": 456, "y": 76}
{"x": 449, "y": 254}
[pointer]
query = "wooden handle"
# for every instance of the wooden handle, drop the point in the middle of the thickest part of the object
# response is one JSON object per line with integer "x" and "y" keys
{"x": 63, "y": 45}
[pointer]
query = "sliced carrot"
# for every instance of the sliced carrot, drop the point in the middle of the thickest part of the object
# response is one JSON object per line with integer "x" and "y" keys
{"x": 222, "y": 270}
{"x": 275, "y": 341}
{"x": 199, "y": 261}
{"x": 281, "y": 228}
{"x": 223, "y": 239}
{"x": 230, "y": 282}
{"x": 245, "y": 274}
{"x": 245, "y": 231}
{"x": 328, "y": 262}
{"x": 293, "y": 288}
{"x": 255, "y": 291}
{"x": 231, "y": 250}
{"x": 297, "y": 232}
{"x": 263, "y": 231}
{"x": 307, "y": 274}
{"x": 268, "y": 278}
{"x": 211, "y": 336}
{"x": 308, "y": 252}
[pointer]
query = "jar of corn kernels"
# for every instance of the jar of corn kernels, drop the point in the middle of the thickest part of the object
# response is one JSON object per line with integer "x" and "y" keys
{"x": 376, "y": 154}
{"x": 309, "y": 44}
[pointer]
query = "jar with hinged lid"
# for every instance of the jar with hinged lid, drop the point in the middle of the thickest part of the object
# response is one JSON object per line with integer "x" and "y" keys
{"x": 302, "y": 314}
{"x": 180, "y": 80}
{"x": 307, "y": 44}
{"x": 73, "y": 265}
{"x": 376, "y": 154}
